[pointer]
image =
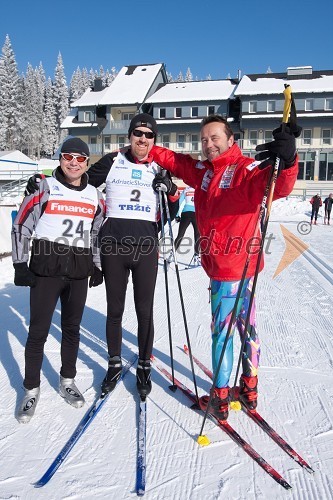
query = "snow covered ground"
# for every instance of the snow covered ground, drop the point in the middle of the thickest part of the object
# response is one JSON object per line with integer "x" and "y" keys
{"x": 295, "y": 311}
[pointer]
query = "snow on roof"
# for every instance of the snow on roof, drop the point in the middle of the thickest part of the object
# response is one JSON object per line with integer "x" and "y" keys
{"x": 130, "y": 86}
{"x": 276, "y": 85}
{"x": 69, "y": 123}
{"x": 15, "y": 156}
{"x": 209, "y": 90}
{"x": 89, "y": 98}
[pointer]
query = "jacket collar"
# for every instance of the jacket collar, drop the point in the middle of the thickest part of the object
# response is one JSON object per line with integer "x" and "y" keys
{"x": 225, "y": 159}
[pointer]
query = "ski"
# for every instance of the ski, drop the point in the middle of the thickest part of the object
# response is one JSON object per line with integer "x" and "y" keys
{"x": 80, "y": 429}
{"x": 230, "y": 431}
{"x": 259, "y": 420}
{"x": 141, "y": 457}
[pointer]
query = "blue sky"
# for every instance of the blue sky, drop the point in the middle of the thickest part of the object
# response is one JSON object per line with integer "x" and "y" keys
{"x": 211, "y": 37}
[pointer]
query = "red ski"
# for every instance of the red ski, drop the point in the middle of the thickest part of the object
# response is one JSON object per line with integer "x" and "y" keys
{"x": 259, "y": 420}
{"x": 226, "y": 427}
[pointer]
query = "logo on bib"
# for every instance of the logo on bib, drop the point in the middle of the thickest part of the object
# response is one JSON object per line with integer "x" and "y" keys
{"x": 136, "y": 174}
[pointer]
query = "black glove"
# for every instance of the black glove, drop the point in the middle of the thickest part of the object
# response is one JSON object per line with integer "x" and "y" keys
{"x": 177, "y": 219}
{"x": 164, "y": 183}
{"x": 23, "y": 276}
{"x": 96, "y": 278}
{"x": 283, "y": 146}
{"x": 33, "y": 184}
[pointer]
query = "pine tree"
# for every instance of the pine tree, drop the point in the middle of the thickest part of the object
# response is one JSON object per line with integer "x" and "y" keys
{"x": 34, "y": 85}
{"x": 10, "y": 98}
{"x": 61, "y": 95}
{"x": 180, "y": 77}
{"x": 50, "y": 136}
{"x": 2, "y": 109}
{"x": 188, "y": 76}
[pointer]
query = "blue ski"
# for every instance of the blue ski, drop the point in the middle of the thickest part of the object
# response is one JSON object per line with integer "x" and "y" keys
{"x": 81, "y": 428}
{"x": 141, "y": 457}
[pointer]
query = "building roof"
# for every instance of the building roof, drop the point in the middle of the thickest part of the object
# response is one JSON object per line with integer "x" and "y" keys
{"x": 16, "y": 156}
{"x": 71, "y": 121}
{"x": 209, "y": 90}
{"x": 274, "y": 83}
{"x": 130, "y": 86}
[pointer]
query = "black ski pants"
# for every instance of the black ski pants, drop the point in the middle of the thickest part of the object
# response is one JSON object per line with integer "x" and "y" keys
{"x": 117, "y": 263}
{"x": 314, "y": 213}
{"x": 43, "y": 301}
{"x": 186, "y": 219}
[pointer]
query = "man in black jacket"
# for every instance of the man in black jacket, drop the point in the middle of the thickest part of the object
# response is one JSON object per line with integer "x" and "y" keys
{"x": 65, "y": 216}
{"x": 129, "y": 241}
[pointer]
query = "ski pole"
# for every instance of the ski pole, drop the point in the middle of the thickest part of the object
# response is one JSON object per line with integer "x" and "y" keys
{"x": 287, "y": 106}
{"x": 265, "y": 204}
{"x": 180, "y": 294}
{"x": 173, "y": 387}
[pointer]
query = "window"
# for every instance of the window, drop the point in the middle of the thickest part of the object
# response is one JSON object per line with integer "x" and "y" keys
{"x": 127, "y": 116}
{"x": 253, "y": 137}
{"x": 178, "y": 112}
{"x": 307, "y": 136}
{"x": 252, "y": 106}
{"x": 107, "y": 142}
{"x": 329, "y": 104}
{"x": 268, "y": 136}
{"x": 195, "y": 112}
{"x": 306, "y": 166}
{"x": 211, "y": 110}
{"x": 121, "y": 141}
{"x": 162, "y": 113}
{"x": 195, "y": 142}
{"x": 181, "y": 141}
{"x": 88, "y": 116}
{"x": 308, "y": 104}
{"x": 326, "y": 135}
{"x": 270, "y": 106}
{"x": 165, "y": 140}
{"x": 326, "y": 167}
{"x": 93, "y": 145}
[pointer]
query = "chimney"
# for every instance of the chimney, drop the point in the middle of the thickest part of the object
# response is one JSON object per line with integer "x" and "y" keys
{"x": 98, "y": 85}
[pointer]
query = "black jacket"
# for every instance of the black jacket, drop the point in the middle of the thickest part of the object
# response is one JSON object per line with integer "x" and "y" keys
{"x": 135, "y": 232}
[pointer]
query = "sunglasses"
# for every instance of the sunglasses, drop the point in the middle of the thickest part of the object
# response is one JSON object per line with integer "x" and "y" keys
{"x": 140, "y": 133}
{"x": 70, "y": 157}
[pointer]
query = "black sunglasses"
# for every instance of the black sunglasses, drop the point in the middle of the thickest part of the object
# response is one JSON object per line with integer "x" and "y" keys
{"x": 140, "y": 133}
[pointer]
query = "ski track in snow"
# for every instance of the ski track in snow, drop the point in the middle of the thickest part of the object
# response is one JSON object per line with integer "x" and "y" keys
{"x": 296, "y": 391}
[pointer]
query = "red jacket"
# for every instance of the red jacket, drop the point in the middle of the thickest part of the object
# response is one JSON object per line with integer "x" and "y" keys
{"x": 228, "y": 194}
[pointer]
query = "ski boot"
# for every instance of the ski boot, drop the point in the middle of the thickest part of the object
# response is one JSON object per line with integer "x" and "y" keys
{"x": 70, "y": 393}
{"x": 143, "y": 378}
{"x": 28, "y": 406}
{"x": 113, "y": 374}
{"x": 196, "y": 260}
{"x": 219, "y": 405}
{"x": 248, "y": 392}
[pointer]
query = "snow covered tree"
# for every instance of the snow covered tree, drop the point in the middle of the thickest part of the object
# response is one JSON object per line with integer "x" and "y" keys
{"x": 188, "y": 76}
{"x": 180, "y": 77}
{"x": 75, "y": 86}
{"x": 10, "y": 98}
{"x": 50, "y": 136}
{"x": 2, "y": 110}
{"x": 169, "y": 77}
{"x": 61, "y": 95}
{"x": 33, "y": 84}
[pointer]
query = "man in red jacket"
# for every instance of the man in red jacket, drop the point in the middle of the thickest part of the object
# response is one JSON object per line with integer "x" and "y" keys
{"x": 229, "y": 189}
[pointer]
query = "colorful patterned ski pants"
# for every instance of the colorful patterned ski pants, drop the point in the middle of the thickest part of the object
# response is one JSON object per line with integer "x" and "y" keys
{"x": 223, "y": 297}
